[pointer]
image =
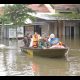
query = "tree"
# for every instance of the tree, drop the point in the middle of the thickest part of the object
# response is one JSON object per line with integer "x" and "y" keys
{"x": 17, "y": 14}
{"x": 2, "y": 22}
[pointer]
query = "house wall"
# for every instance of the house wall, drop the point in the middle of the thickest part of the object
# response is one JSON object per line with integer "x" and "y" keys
{"x": 28, "y": 29}
{"x": 61, "y": 25}
{"x": 9, "y": 31}
{"x": 57, "y": 28}
{"x": 45, "y": 29}
{"x": 70, "y": 24}
{"x": 78, "y": 29}
{"x": 4, "y": 31}
{"x": 50, "y": 27}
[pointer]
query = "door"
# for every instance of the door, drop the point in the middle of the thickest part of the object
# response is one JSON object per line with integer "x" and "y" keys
{"x": 79, "y": 31}
{"x": 37, "y": 29}
{"x": 69, "y": 31}
{"x": 72, "y": 32}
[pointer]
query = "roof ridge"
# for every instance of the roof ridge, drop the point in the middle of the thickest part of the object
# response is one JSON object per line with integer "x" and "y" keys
{"x": 50, "y": 8}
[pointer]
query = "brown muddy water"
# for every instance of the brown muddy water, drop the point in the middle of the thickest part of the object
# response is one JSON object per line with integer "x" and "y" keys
{"x": 15, "y": 63}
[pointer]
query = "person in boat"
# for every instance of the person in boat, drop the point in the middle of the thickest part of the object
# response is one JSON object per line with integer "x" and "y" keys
{"x": 43, "y": 43}
{"x": 55, "y": 42}
{"x": 58, "y": 45}
{"x": 35, "y": 40}
{"x": 26, "y": 40}
{"x": 52, "y": 40}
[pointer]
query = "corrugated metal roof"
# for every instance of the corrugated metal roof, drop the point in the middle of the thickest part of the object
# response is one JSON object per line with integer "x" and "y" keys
{"x": 48, "y": 16}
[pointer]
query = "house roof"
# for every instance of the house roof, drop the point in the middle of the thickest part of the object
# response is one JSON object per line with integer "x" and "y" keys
{"x": 46, "y": 16}
{"x": 39, "y": 8}
{"x": 45, "y": 11}
{"x": 66, "y": 6}
{"x": 50, "y": 16}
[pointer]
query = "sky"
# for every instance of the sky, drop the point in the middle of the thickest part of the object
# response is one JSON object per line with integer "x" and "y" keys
{"x": 1, "y": 5}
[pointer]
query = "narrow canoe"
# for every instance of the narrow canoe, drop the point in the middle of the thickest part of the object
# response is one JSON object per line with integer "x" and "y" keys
{"x": 55, "y": 52}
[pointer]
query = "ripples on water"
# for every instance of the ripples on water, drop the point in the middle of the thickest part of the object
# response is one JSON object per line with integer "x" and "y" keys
{"x": 15, "y": 63}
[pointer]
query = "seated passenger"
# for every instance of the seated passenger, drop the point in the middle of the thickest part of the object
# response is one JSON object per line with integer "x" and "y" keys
{"x": 43, "y": 43}
{"x": 52, "y": 40}
{"x": 34, "y": 40}
{"x": 26, "y": 40}
{"x": 58, "y": 45}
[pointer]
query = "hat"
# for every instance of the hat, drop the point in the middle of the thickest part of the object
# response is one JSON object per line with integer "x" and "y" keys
{"x": 52, "y": 36}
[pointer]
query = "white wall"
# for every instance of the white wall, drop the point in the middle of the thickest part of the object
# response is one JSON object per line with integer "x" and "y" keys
{"x": 12, "y": 32}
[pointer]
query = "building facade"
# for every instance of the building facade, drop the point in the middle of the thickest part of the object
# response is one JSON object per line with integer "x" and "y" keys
{"x": 45, "y": 24}
{"x": 60, "y": 27}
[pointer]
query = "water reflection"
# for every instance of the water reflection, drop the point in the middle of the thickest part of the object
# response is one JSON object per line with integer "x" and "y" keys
{"x": 51, "y": 67}
{"x": 15, "y": 63}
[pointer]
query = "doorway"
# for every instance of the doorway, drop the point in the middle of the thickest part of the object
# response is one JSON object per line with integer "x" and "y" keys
{"x": 37, "y": 29}
{"x": 69, "y": 31}
{"x": 72, "y": 31}
{"x": 79, "y": 31}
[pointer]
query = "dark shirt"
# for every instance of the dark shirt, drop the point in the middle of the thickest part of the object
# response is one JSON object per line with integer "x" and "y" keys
{"x": 26, "y": 41}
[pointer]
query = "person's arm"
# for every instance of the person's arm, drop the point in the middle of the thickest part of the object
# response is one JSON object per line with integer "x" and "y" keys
{"x": 31, "y": 43}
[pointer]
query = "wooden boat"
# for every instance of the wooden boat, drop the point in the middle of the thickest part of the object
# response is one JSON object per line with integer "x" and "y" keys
{"x": 55, "y": 52}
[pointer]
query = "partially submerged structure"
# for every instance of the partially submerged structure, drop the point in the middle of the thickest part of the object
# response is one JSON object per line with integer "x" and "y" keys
{"x": 46, "y": 22}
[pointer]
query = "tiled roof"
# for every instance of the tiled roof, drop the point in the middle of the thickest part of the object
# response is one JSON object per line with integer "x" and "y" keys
{"x": 43, "y": 9}
{"x": 66, "y": 6}
{"x": 39, "y": 8}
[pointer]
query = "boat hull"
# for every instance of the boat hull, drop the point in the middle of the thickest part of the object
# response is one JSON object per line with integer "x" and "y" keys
{"x": 56, "y": 52}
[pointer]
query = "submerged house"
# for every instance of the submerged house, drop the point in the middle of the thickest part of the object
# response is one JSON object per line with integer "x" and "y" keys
{"x": 46, "y": 22}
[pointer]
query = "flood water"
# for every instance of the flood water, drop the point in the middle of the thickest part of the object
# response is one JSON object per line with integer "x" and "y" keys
{"x": 15, "y": 63}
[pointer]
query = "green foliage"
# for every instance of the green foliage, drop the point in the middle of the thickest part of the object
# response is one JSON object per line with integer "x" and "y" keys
{"x": 17, "y": 13}
{"x": 73, "y": 16}
{"x": 4, "y": 20}
{"x": 70, "y": 16}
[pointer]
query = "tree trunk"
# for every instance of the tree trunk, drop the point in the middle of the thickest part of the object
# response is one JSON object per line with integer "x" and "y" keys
{"x": 16, "y": 38}
{"x": 2, "y": 33}
{"x": 57, "y": 28}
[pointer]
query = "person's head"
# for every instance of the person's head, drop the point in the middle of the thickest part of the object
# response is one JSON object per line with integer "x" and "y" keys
{"x": 45, "y": 39}
{"x": 52, "y": 36}
{"x": 27, "y": 33}
{"x": 35, "y": 33}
